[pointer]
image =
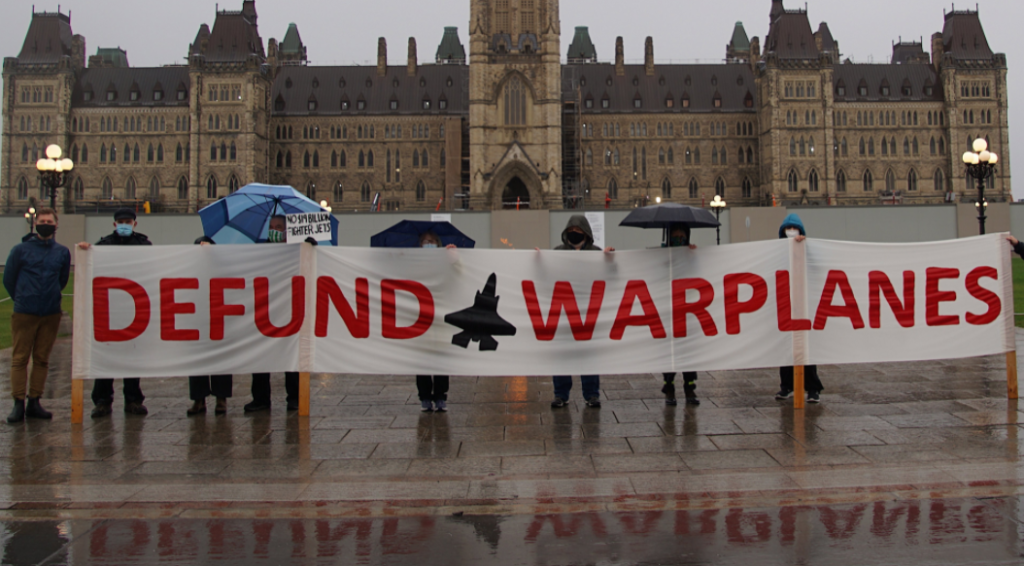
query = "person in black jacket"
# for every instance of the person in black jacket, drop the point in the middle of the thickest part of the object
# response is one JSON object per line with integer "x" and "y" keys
{"x": 35, "y": 273}
{"x": 103, "y": 389}
{"x": 201, "y": 386}
{"x": 1018, "y": 247}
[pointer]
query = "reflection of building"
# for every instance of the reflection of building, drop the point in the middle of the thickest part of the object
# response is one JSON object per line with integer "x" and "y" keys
{"x": 511, "y": 124}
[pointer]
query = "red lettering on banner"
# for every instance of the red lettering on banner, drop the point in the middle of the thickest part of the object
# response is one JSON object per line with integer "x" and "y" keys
{"x": 699, "y": 309}
{"x": 879, "y": 285}
{"x": 169, "y": 308}
{"x": 637, "y": 290}
{"x": 995, "y": 306}
{"x": 933, "y": 296}
{"x": 102, "y": 332}
{"x": 218, "y": 310}
{"x": 784, "y": 304}
{"x": 885, "y": 521}
{"x": 734, "y": 307}
{"x": 563, "y": 297}
{"x": 838, "y": 280}
{"x": 263, "y": 323}
{"x": 390, "y": 329}
{"x": 327, "y": 292}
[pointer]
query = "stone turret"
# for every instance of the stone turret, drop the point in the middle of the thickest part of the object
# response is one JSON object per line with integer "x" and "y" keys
{"x": 450, "y": 50}
{"x": 582, "y": 49}
{"x": 649, "y": 56}
{"x": 412, "y": 57}
{"x": 382, "y": 57}
{"x": 620, "y": 58}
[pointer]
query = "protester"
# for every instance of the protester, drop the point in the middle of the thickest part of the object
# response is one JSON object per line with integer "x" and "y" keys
{"x": 201, "y": 386}
{"x": 261, "y": 381}
{"x": 578, "y": 236}
{"x": 433, "y": 390}
{"x": 793, "y": 227}
{"x": 1018, "y": 247}
{"x": 35, "y": 273}
{"x": 103, "y": 389}
{"x": 679, "y": 236}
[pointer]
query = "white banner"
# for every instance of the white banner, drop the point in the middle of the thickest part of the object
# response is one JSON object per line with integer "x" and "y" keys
{"x": 192, "y": 310}
{"x": 304, "y": 225}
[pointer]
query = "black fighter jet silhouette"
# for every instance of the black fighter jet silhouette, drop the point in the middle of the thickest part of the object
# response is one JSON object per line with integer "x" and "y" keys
{"x": 481, "y": 322}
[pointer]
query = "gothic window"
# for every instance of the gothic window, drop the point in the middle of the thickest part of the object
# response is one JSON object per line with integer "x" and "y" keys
{"x": 940, "y": 181}
{"x": 415, "y": 159}
{"x": 747, "y": 188}
{"x": 154, "y": 188}
{"x": 613, "y": 188}
{"x": 794, "y": 182}
{"x": 671, "y": 156}
{"x": 182, "y": 189}
{"x": 103, "y": 153}
{"x": 869, "y": 181}
{"x": 906, "y": 146}
{"x": 892, "y": 146}
{"x": 135, "y": 154}
{"x": 916, "y": 146}
{"x": 78, "y": 190}
{"x": 362, "y": 159}
{"x": 615, "y": 157}
{"x": 369, "y": 158}
{"x": 696, "y": 152}
{"x": 339, "y": 192}
{"x": 129, "y": 188}
{"x": 590, "y": 157}
{"x": 364, "y": 192}
{"x": 714, "y": 156}
{"x": 890, "y": 181}
{"x": 666, "y": 189}
{"x": 725, "y": 160}
{"x": 334, "y": 158}
{"x": 311, "y": 190}
{"x": 692, "y": 189}
{"x": 211, "y": 187}
{"x": 22, "y": 189}
{"x": 871, "y": 146}
{"x": 840, "y": 182}
{"x": 341, "y": 159}
{"x": 912, "y": 180}
{"x": 720, "y": 187}
{"x": 844, "y": 148}
{"x": 515, "y": 102}
{"x": 280, "y": 157}
{"x": 421, "y": 192}
{"x": 812, "y": 181}
{"x": 213, "y": 152}
{"x": 750, "y": 154}
{"x": 316, "y": 156}
{"x": 150, "y": 153}
{"x": 443, "y": 158}
{"x": 792, "y": 147}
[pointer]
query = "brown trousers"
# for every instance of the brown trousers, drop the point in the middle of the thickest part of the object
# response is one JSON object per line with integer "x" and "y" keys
{"x": 33, "y": 338}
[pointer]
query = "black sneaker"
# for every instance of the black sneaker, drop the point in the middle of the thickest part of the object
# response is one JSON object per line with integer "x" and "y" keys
{"x": 784, "y": 394}
{"x": 256, "y": 406}
{"x": 813, "y": 397}
{"x": 102, "y": 410}
{"x": 135, "y": 409}
{"x": 691, "y": 395}
{"x": 558, "y": 403}
{"x": 293, "y": 405}
{"x": 594, "y": 403}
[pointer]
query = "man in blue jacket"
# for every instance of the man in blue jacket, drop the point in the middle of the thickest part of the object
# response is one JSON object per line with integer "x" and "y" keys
{"x": 35, "y": 273}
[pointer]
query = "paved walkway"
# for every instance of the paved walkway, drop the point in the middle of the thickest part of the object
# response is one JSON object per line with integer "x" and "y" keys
{"x": 882, "y": 432}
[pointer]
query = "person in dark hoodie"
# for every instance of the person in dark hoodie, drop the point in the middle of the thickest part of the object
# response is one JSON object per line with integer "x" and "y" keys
{"x": 1018, "y": 246}
{"x": 678, "y": 235}
{"x": 35, "y": 273}
{"x": 201, "y": 386}
{"x": 103, "y": 389}
{"x": 793, "y": 227}
{"x": 578, "y": 236}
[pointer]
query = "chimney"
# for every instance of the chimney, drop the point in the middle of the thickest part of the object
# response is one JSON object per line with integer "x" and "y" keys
{"x": 412, "y": 56}
{"x": 78, "y": 52}
{"x": 755, "y": 52}
{"x": 938, "y": 51}
{"x": 382, "y": 57}
{"x": 649, "y": 56}
{"x": 620, "y": 58}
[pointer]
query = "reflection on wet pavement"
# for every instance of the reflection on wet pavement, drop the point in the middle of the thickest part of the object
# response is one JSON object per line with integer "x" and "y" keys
{"x": 940, "y": 531}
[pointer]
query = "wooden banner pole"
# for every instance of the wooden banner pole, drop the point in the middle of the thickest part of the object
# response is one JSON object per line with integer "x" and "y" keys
{"x": 798, "y": 388}
{"x": 77, "y": 395}
{"x": 1011, "y": 375}
{"x": 304, "y": 394}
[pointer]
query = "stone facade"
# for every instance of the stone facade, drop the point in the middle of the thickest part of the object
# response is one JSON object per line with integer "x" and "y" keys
{"x": 511, "y": 126}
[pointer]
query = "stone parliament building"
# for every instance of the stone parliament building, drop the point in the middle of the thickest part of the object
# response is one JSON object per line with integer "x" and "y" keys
{"x": 510, "y": 125}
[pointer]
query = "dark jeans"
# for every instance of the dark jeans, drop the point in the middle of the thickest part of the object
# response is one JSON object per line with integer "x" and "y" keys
{"x": 811, "y": 381}
{"x": 689, "y": 379}
{"x": 201, "y": 386}
{"x": 591, "y": 386}
{"x": 432, "y": 387}
{"x": 261, "y": 387}
{"x": 103, "y": 391}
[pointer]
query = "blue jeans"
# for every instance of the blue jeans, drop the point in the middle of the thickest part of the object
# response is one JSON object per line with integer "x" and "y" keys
{"x": 591, "y": 386}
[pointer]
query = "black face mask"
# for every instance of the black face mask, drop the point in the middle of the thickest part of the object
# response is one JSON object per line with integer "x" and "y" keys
{"x": 575, "y": 238}
{"x": 45, "y": 230}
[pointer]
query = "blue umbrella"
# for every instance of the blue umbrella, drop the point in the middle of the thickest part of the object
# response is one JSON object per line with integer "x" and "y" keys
{"x": 406, "y": 234}
{"x": 243, "y": 217}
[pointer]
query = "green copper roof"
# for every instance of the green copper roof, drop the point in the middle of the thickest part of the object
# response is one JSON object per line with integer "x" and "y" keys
{"x": 451, "y": 48}
{"x": 740, "y": 40}
{"x": 582, "y": 47}
{"x": 291, "y": 43}
{"x": 114, "y": 56}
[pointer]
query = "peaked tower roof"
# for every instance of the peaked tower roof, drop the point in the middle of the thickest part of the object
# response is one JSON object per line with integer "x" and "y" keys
{"x": 48, "y": 39}
{"x": 740, "y": 40}
{"x": 582, "y": 48}
{"x": 450, "y": 50}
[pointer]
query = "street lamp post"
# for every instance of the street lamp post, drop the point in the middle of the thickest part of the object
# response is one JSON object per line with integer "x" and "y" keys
{"x": 53, "y": 171}
{"x": 980, "y": 165}
{"x": 718, "y": 204}
{"x": 30, "y": 218}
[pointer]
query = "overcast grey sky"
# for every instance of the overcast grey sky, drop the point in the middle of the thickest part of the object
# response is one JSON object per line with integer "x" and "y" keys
{"x": 157, "y": 32}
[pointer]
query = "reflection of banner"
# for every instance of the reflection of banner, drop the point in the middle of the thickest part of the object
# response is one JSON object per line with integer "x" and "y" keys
{"x": 183, "y": 310}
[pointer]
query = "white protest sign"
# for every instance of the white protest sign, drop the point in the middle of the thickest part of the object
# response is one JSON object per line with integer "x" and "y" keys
{"x": 437, "y": 217}
{"x": 316, "y": 225}
{"x": 596, "y": 220}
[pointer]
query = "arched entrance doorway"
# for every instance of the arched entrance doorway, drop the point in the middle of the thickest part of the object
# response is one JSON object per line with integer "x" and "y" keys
{"x": 515, "y": 195}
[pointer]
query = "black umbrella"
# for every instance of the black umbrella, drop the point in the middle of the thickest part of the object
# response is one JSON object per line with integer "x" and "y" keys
{"x": 667, "y": 214}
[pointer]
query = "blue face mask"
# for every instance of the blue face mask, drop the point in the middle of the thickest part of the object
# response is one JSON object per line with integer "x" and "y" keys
{"x": 124, "y": 230}
{"x": 430, "y": 245}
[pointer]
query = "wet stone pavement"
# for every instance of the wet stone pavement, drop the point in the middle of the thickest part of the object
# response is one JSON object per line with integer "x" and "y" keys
{"x": 919, "y": 456}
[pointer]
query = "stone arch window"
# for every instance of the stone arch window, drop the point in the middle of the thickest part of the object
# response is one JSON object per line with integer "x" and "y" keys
{"x": 234, "y": 152}
{"x": 615, "y": 157}
{"x": 666, "y": 188}
{"x": 334, "y": 158}
{"x": 671, "y": 156}
{"x": 232, "y": 184}
{"x": 415, "y": 159}
{"x": 85, "y": 153}
{"x": 750, "y": 154}
{"x": 748, "y": 187}
{"x": 338, "y": 192}
{"x": 160, "y": 153}
{"x": 792, "y": 147}
{"x": 720, "y": 187}
{"x": 890, "y": 181}
{"x": 316, "y": 156}
{"x": 311, "y": 190}
{"x": 78, "y": 189}
{"x": 279, "y": 161}
{"x": 288, "y": 159}
{"x": 129, "y": 188}
{"x": 740, "y": 155}
{"x": 868, "y": 181}
{"x": 912, "y": 180}
{"x": 369, "y": 158}
{"x": 844, "y": 148}
{"x": 182, "y": 188}
{"x": 892, "y": 146}
{"x": 106, "y": 188}
{"x": 692, "y": 188}
{"x": 213, "y": 152}
{"x": 22, "y": 189}
{"x": 714, "y": 156}
{"x": 841, "y": 181}
{"x": 136, "y": 154}
{"x": 154, "y": 188}
{"x": 150, "y": 154}
{"x": 211, "y": 187}
{"x": 871, "y": 146}
{"x": 590, "y": 157}
{"x": 341, "y": 159}
{"x": 515, "y": 102}
{"x": 362, "y": 159}
{"x": 613, "y": 188}
{"x": 813, "y": 181}
{"x": 421, "y": 192}
{"x": 424, "y": 160}
{"x": 793, "y": 182}
{"x": 940, "y": 181}
{"x": 916, "y": 146}
{"x": 364, "y": 192}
